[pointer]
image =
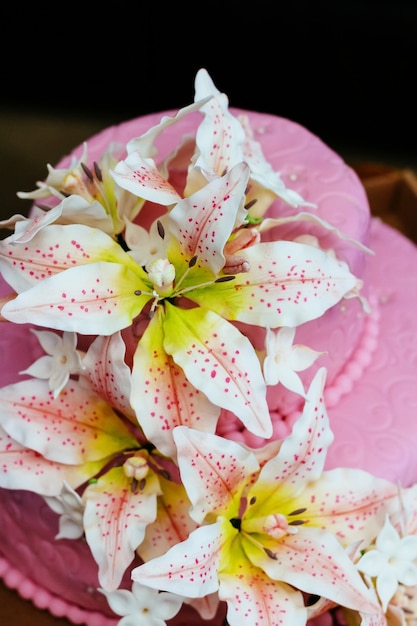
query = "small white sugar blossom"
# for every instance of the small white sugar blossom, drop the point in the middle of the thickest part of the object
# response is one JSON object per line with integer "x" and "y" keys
{"x": 143, "y": 606}
{"x": 60, "y": 361}
{"x": 392, "y": 561}
{"x": 68, "y": 505}
{"x": 283, "y": 359}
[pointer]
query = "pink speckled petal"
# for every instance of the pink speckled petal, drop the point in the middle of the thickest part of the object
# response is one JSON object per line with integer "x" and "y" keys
{"x": 108, "y": 373}
{"x": 25, "y": 230}
{"x": 55, "y": 249}
{"x": 93, "y": 299}
{"x": 173, "y": 523}
{"x": 162, "y": 395}
{"x": 315, "y": 562}
{"x": 302, "y": 454}
{"x": 206, "y": 607}
{"x": 268, "y": 181}
{"x": 62, "y": 429}
{"x": 22, "y": 468}
{"x": 253, "y": 598}
{"x": 220, "y": 361}
{"x": 288, "y": 284}
{"x": 115, "y": 521}
{"x": 214, "y": 471}
{"x": 351, "y": 503}
{"x": 145, "y": 144}
{"x": 141, "y": 177}
{"x": 220, "y": 136}
{"x": 201, "y": 224}
{"x": 394, "y": 615}
{"x": 188, "y": 568}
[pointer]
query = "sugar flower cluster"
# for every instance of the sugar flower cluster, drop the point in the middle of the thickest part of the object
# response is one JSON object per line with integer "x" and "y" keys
{"x": 139, "y": 284}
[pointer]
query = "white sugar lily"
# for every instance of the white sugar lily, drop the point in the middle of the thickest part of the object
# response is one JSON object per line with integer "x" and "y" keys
{"x": 222, "y": 140}
{"x": 283, "y": 359}
{"x": 128, "y": 481}
{"x": 39, "y": 458}
{"x": 393, "y": 560}
{"x": 83, "y": 281}
{"x": 273, "y": 531}
{"x": 87, "y": 195}
{"x": 139, "y": 173}
{"x": 62, "y": 359}
{"x": 142, "y": 606}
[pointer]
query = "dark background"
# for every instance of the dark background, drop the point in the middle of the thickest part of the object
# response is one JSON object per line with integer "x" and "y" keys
{"x": 346, "y": 70}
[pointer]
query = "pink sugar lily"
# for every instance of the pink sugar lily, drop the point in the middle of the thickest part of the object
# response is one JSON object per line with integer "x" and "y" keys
{"x": 271, "y": 531}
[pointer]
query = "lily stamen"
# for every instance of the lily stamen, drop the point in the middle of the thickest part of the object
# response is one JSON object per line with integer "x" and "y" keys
{"x": 87, "y": 172}
{"x": 96, "y": 179}
{"x": 161, "y": 229}
{"x": 297, "y": 511}
{"x": 191, "y": 264}
{"x": 98, "y": 172}
{"x": 259, "y": 545}
{"x": 221, "y": 279}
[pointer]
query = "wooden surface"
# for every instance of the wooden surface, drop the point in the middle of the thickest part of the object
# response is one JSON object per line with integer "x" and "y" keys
{"x": 15, "y": 611}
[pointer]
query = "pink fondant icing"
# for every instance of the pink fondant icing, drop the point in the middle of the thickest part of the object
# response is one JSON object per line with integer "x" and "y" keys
{"x": 372, "y": 364}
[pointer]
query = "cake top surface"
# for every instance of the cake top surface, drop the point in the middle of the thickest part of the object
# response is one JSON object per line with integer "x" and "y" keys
{"x": 145, "y": 253}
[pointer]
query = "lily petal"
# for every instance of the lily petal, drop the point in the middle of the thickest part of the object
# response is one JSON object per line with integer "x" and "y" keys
{"x": 222, "y": 473}
{"x": 199, "y": 341}
{"x": 22, "y": 468}
{"x": 302, "y": 454}
{"x": 108, "y": 373}
{"x": 145, "y": 144}
{"x": 54, "y": 249}
{"x": 115, "y": 521}
{"x": 315, "y": 562}
{"x": 201, "y": 224}
{"x": 220, "y": 136}
{"x": 173, "y": 523}
{"x": 100, "y": 298}
{"x": 351, "y": 514}
{"x": 140, "y": 176}
{"x": 62, "y": 429}
{"x": 288, "y": 284}
{"x": 189, "y": 568}
{"x": 162, "y": 395}
{"x": 267, "y": 601}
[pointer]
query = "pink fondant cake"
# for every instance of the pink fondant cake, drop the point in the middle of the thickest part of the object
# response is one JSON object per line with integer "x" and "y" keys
{"x": 368, "y": 346}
